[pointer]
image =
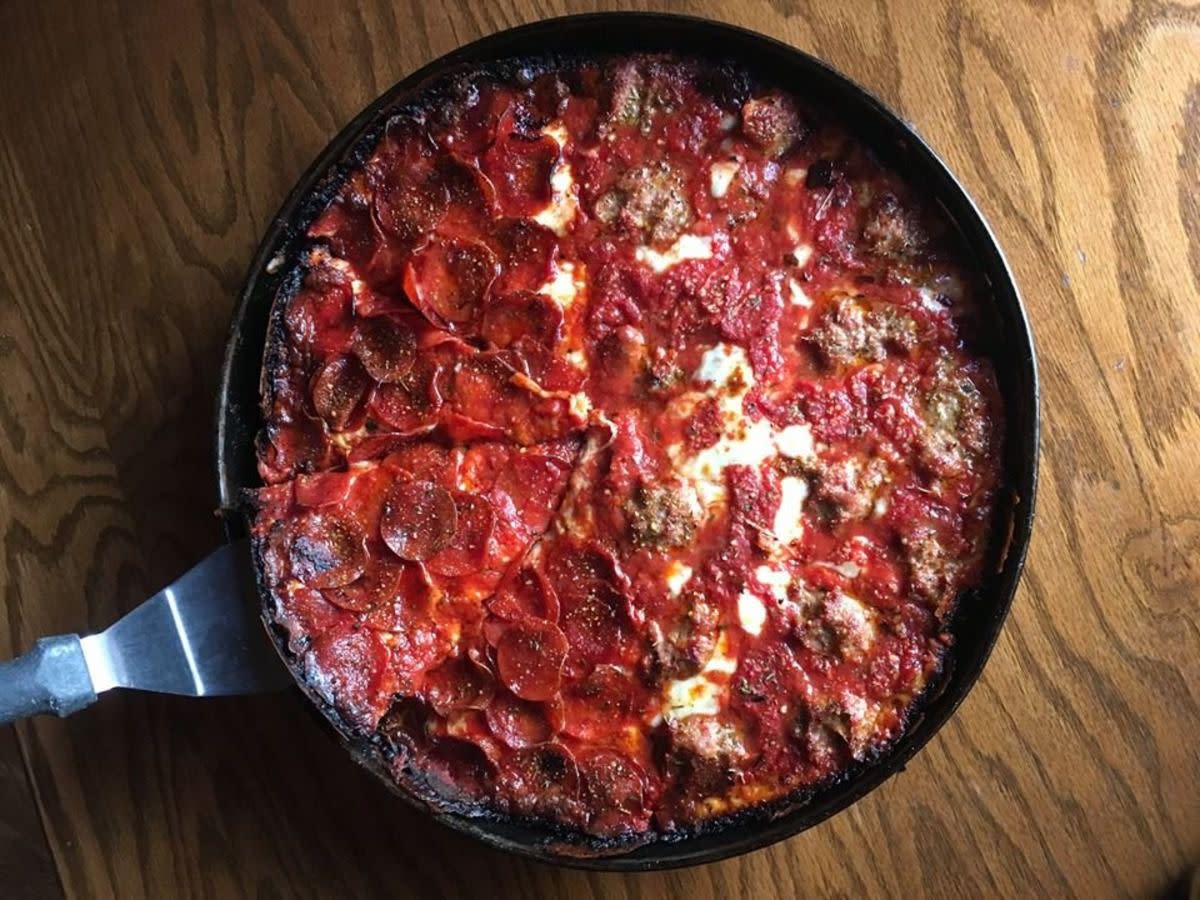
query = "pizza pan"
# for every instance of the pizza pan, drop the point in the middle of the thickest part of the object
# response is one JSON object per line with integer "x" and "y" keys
{"x": 1008, "y": 342}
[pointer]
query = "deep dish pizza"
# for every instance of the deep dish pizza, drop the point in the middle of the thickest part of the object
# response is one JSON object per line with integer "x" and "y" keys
{"x": 625, "y": 450}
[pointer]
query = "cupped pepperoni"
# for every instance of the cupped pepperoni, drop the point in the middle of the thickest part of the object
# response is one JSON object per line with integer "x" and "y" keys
{"x": 613, "y": 792}
{"x": 530, "y": 657}
{"x": 327, "y": 550}
{"x": 412, "y": 404}
{"x": 475, "y": 520}
{"x": 419, "y": 519}
{"x": 448, "y": 279}
{"x": 323, "y": 488}
{"x": 527, "y": 254}
{"x": 387, "y": 347}
{"x": 593, "y": 609}
{"x": 520, "y": 168}
{"x": 378, "y": 584}
{"x": 300, "y": 445}
{"x": 400, "y": 608}
{"x": 459, "y": 683}
{"x": 471, "y": 197}
{"x": 592, "y": 706}
{"x": 522, "y": 315}
{"x": 525, "y": 594}
{"x": 410, "y": 205}
{"x": 542, "y": 781}
{"x": 338, "y": 389}
{"x": 519, "y": 723}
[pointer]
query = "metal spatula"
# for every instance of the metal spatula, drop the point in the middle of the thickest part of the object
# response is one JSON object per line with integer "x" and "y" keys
{"x": 198, "y": 636}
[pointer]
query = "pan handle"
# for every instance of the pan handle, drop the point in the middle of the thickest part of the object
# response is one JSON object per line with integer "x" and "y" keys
{"x": 51, "y": 678}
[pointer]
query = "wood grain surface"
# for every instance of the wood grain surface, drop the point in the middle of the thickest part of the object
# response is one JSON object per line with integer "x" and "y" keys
{"x": 144, "y": 147}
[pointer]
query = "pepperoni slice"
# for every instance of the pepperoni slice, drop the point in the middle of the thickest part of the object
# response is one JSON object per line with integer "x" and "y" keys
{"x": 613, "y": 792}
{"x": 410, "y": 405}
{"x": 593, "y": 705}
{"x": 346, "y": 666}
{"x": 338, "y": 389}
{"x": 423, "y": 462}
{"x": 448, "y": 279}
{"x": 327, "y": 550}
{"x": 471, "y": 197}
{"x": 519, "y": 723}
{"x": 464, "y": 552}
{"x": 300, "y": 445}
{"x": 379, "y": 584}
{"x": 323, "y": 488}
{"x": 528, "y": 251}
{"x": 520, "y": 168}
{"x": 593, "y": 610}
{"x": 535, "y": 482}
{"x": 492, "y": 394}
{"x": 522, "y": 315}
{"x": 542, "y": 781}
{"x": 394, "y": 607}
{"x": 530, "y": 658}
{"x": 526, "y": 594}
{"x": 387, "y": 347}
{"x": 459, "y": 683}
{"x": 419, "y": 519}
{"x": 409, "y": 207}
{"x": 461, "y": 765}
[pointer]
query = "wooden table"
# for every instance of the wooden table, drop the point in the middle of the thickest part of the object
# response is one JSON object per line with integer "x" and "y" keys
{"x": 143, "y": 149}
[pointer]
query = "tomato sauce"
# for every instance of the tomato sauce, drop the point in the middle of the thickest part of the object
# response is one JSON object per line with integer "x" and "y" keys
{"x": 624, "y": 451}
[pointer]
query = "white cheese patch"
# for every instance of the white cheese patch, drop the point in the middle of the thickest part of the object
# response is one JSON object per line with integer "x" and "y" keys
{"x": 580, "y": 405}
{"x": 699, "y": 695}
{"x": 797, "y": 296}
{"x": 796, "y": 442}
{"x": 728, "y": 121}
{"x": 677, "y": 576}
{"x": 564, "y": 202}
{"x": 719, "y": 364}
{"x": 564, "y": 284}
{"x": 577, "y": 359}
{"x": 721, "y": 176}
{"x": 752, "y": 615}
{"x": 803, "y": 253}
{"x": 788, "y": 525}
{"x": 774, "y": 579}
{"x": 688, "y": 246}
{"x": 881, "y": 506}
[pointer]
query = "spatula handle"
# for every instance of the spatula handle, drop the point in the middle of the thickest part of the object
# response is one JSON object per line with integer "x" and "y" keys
{"x": 51, "y": 678}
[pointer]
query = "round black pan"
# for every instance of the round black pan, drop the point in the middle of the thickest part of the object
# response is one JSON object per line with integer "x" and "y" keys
{"x": 1007, "y": 340}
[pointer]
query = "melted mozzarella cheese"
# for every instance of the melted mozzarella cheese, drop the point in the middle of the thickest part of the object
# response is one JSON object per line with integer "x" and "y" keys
{"x": 802, "y": 253}
{"x": 774, "y": 579}
{"x": 564, "y": 199}
{"x": 564, "y": 202}
{"x": 752, "y": 615}
{"x": 797, "y": 296}
{"x": 700, "y": 695}
{"x": 721, "y": 176}
{"x": 788, "y": 525}
{"x": 580, "y": 405}
{"x": 688, "y": 246}
{"x": 677, "y": 575}
{"x": 796, "y": 442}
{"x": 564, "y": 284}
